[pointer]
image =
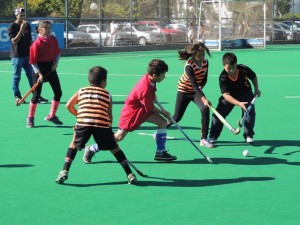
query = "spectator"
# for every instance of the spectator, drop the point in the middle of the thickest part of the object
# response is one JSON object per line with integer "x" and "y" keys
{"x": 113, "y": 30}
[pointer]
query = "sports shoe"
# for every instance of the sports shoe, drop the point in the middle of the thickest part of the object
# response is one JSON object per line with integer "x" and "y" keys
{"x": 212, "y": 140}
{"x": 30, "y": 122}
{"x": 18, "y": 98}
{"x": 53, "y": 119}
{"x": 206, "y": 143}
{"x": 62, "y": 176}
{"x": 164, "y": 156}
{"x": 88, "y": 155}
{"x": 131, "y": 179}
{"x": 249, "y": 140}
{"x": 42, "y": 100}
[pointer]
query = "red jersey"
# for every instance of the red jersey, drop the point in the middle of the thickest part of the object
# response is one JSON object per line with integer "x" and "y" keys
{"x": 138, "y": 105}
{"x": 44, "y": 49}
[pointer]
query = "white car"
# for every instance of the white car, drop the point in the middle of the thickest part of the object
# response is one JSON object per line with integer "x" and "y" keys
{"x": 145, "y": 34}
{"x": 75, "y": 37}
{"x": 93, "y": 30}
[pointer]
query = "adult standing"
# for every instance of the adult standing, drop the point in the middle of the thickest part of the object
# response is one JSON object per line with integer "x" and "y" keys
{"x": 113, "y": 30}
{"x": 20, "y": 39}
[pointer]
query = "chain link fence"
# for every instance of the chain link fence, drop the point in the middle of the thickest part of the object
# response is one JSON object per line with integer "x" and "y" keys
{"x": 108, "y": 23}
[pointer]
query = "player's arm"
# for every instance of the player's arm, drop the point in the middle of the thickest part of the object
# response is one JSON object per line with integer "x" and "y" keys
{"x": 71, "y": 104}
{"x": 110, "y": 109}
{"x": 234, "y": 101}
{"x": 256, "y": 89}
{"x": 198, "y": 90}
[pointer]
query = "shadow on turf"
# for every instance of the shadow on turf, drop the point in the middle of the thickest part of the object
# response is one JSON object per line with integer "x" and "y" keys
{"x": 250, "y": 160}
{"x": 180, "y": 182}
{"x": 273, "y": 144}
{"x": 15, "y": 165}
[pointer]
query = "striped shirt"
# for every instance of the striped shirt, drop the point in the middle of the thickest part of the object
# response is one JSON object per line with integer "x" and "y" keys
{"x": 93, "y": 107}
{"x": 193, "y": 77}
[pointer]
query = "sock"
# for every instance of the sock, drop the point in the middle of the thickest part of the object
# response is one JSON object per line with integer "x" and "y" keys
{"x": 161, "y": 138}
{"x": 71, "y": 153}
{"x": 32, "y": 108}
{"x": 54, "y": 107}
{"x": 94, "y": 148}
{"x": 121, "y": 158}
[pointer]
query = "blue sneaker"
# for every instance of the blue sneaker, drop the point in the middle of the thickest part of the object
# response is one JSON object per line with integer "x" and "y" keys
{"x": 30, "y": 122}
{"x": 53, "y": 119}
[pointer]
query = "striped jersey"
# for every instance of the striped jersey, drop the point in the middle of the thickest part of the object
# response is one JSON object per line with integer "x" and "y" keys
{"x": 193, "y": 76}
{"x": 93, "y": 107}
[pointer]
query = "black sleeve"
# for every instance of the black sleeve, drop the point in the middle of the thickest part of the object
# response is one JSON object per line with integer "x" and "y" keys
{"x": 190, "y": 72}
{"x": 13, "y": 30}
{"x": 205, "y": 78}
{"x": 250, "y": 73}
{"x": 223, "y": 84}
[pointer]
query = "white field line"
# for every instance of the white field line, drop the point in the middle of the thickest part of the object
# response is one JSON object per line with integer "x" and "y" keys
{"x": 291, "y": 96}
{"x": 139, "y": 75}
{"x": 168, "y": 137}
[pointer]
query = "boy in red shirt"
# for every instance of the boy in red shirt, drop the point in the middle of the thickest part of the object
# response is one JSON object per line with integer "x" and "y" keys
{"x": 139, "y": 108}
{"x": 44, "y": 57}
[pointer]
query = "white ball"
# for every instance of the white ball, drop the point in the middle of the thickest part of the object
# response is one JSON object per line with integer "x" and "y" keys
{"x": 245, "y": 153}
{"x": 93, "y": 6}
{"x": 192, "y": 9}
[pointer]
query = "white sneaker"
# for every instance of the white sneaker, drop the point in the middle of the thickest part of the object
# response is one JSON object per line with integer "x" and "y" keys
{"x": 249, "y": 140}
{"x": 206, "y": 143}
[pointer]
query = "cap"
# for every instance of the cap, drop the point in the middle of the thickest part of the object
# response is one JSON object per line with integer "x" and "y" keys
{"x": 18, "y": 11}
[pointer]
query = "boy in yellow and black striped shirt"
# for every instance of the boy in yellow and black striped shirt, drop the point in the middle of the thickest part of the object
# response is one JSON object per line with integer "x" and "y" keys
{"x": 93, "y": 117}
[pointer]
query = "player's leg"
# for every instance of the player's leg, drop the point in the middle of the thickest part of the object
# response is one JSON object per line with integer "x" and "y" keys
{"x": 182, "y": 101}
{"x": 250, "y": 119}
{"x": 105, "y": 139}
{"x": 204, "y": 123}
{"x": 91, "y": 150}
{"x": 161, "y": 137}
{"x": 121, "y": 158}
{"x": 33, "y": 103}
{"x": 55, "y": 85}
{"x": 224, "y": 108}
{"x": 80, "y": 138}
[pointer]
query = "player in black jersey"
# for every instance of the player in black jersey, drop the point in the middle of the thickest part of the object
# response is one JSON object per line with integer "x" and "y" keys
{"x": 236, "y": 91}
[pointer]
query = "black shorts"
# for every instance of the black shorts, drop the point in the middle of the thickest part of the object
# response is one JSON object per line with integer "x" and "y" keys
{"x": 104, "y": 137}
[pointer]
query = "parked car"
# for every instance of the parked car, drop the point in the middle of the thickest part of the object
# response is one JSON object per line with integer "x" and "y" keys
{"x": 178, "y": 26}
{"x": 173, "y": 35}
{"x": 75, "y": 37}
{"x": 93, "y": 30}
{"x": 145, "y": 34}
{"x": 122, "y": 38}
{"x": 258, "y": 30}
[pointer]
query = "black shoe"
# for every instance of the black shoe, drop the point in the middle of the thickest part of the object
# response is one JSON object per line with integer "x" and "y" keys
{"x": 54, "y": 120}
{"x": 164, "y": 156}
{"x": 18, "y": 98}
{"x": 42, "y": 100}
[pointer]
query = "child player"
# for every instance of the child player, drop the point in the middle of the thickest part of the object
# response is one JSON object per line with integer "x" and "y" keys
{"x": 139, "y": 108}
{"x": 236, "y": 90}
{"x": 44, "y": 57}
{"x": 190, "y": 87}
{"x": 93, "y": 117}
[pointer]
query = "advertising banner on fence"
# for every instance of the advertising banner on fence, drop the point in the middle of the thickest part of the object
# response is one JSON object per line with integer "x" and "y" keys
{"x": 57, "y": 31}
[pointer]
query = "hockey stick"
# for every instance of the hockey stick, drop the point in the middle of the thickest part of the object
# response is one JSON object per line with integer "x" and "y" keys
{"x": 187, "y": 137}
{"x": 241, "y": 123}
{"x": 222, "y": 119}
{"x": 18, "y": 103}
{"x": 136, "y": 169}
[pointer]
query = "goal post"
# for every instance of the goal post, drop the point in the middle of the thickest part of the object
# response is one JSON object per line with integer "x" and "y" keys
{"x": 233, "y": 24}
